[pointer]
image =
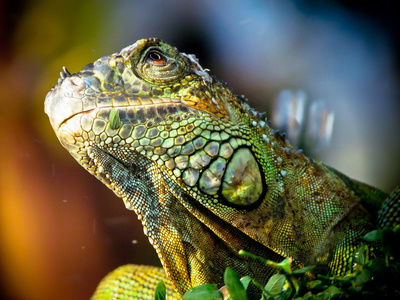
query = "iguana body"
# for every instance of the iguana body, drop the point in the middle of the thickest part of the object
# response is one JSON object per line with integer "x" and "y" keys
{"x": 203, "y": 171}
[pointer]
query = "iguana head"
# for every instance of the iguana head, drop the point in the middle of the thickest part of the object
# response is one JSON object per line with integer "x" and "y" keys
{"x": 156, "y": 102}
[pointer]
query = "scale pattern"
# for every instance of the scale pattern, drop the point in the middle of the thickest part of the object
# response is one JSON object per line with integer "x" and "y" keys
{"x": 203, "y": 171}
{"x": 133, "y": 282}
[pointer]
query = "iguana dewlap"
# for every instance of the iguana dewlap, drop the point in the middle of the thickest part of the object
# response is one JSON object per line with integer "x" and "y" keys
{"x": 203, "y": 171}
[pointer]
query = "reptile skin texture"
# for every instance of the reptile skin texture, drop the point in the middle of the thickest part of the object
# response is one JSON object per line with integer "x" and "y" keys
{"x": 204, "y": 173}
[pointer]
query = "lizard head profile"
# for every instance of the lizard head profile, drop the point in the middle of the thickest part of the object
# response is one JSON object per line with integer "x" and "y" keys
{"x": 160, "y": 103}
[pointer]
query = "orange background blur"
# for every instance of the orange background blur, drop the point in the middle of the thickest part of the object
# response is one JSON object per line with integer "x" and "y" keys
{"x": 61, "y": 230}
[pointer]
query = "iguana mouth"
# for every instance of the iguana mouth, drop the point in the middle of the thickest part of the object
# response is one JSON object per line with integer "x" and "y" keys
{"x": 71, "y": 97}
{"x": 132, "y": 113}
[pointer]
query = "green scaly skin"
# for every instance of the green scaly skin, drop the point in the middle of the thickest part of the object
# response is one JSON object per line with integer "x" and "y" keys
{"x": 203, "y": 171}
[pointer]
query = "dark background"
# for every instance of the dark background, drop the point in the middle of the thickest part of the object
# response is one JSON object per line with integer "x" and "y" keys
{"x": 61, "y": 230}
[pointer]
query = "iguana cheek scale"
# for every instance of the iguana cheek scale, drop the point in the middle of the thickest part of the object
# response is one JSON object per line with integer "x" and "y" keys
{"x": 203, "y": 171}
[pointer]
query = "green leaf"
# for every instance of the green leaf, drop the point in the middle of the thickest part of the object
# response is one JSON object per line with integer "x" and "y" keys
{"x": 296, "y": 284}
{"x": 373, "y": 236}
{"x": 316, "y": 284}
{"x": 160, "y": 291}
{"x": 303, "y": 270}
{"x": 234, "y": 286}
{"x": 115, "y": 121}
{"x": 333, "y": 291}
{"x": 275, "y": 284}
{"x": 245, "y": 281}
{"x": 203, "y": 292}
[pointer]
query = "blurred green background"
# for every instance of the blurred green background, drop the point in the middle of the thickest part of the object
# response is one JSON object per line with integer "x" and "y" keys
{"x": 61, "y": 231}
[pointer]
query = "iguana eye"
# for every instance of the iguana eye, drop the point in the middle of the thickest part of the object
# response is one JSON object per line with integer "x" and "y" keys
{"x": 156, "y": 58}
{"x": 161, "y": 66}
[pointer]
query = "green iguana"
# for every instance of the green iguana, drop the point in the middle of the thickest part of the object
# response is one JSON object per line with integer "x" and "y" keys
{"x": 204, "y": 172}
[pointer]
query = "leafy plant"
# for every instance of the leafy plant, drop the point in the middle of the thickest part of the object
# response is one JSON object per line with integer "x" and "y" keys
{"x": 375, "y": 275}
{"x": 160, "y": 291}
